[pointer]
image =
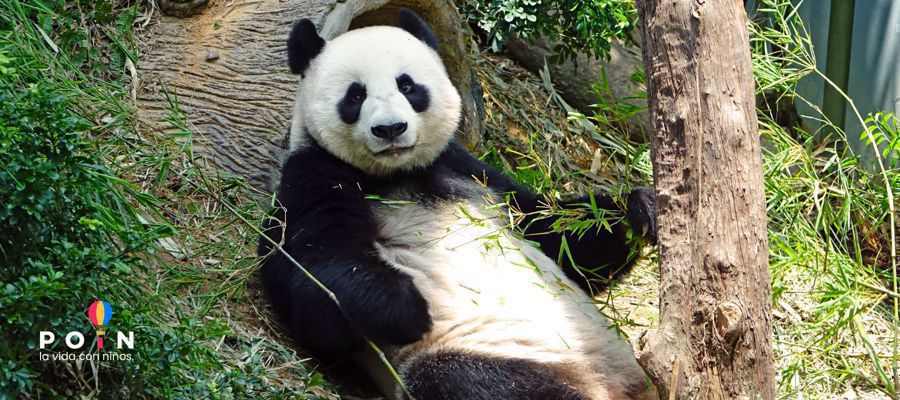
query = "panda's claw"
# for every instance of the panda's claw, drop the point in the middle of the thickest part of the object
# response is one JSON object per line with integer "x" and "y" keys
{"x": 641, "y": 212}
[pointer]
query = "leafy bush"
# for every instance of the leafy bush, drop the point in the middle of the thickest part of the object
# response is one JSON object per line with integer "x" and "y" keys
{"x": 579, "y": 25}
{"x": 74, "y": 228}
{"x": 58, "y": 240}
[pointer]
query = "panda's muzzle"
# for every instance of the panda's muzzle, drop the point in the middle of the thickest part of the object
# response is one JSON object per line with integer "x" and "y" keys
{"x": 390, "y": 132}
{"x": 394, "y": 150}
{"x": 392, "y": 141}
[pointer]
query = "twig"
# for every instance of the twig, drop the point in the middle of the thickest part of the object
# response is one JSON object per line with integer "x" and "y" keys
{"x": 881, "y": 289}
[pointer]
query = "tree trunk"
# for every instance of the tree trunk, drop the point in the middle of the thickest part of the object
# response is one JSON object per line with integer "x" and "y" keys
{"x": 715, "y": 335}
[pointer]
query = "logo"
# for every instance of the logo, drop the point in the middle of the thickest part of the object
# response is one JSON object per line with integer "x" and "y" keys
{"x": 99, "y": 313}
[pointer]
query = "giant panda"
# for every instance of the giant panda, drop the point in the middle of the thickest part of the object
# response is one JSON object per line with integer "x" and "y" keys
{"x": 418, "y": 242}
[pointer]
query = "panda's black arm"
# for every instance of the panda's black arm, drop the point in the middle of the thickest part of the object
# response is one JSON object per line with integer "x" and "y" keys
{"x": 605, "y": 253}
{"x": 600, "y": 254}
{"x": 329, "y": 229}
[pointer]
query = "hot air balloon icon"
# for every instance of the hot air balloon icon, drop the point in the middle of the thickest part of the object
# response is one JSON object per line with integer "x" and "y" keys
{"x": 100, "y": 313}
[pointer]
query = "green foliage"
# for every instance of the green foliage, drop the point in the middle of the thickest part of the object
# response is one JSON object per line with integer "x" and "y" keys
{"x": 66, "y": 237}
{"x": 884, "y": 128}
{"x": 586, "y": 26}
{"x": 75, "y": 228}
{"x": 831, "y": 228}
{"x": 59, "y": 227}
{"x": 93, "y": 34}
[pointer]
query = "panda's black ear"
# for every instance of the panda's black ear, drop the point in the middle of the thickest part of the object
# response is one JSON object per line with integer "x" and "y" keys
{"x": 410, "y": 22}
{"x": 304, "y": 44}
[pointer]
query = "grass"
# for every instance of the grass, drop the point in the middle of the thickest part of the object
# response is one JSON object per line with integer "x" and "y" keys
{"x": 832, "y": 231}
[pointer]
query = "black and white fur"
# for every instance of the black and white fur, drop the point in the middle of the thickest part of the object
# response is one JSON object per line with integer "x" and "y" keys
{"x": 403, "y": 225}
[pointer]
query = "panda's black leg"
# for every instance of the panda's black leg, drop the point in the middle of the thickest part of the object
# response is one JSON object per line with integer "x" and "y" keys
{"x": 458, "y": 376}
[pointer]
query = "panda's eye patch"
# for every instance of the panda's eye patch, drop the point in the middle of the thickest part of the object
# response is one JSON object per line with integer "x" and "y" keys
{"x": 351, "y": 104}
{"x": 405, "y": 84}
{"x": 416, "y": 94}
{"x": 356, "y": 93}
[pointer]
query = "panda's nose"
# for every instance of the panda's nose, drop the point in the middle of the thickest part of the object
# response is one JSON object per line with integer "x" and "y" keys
{"x": 389, "y": 131}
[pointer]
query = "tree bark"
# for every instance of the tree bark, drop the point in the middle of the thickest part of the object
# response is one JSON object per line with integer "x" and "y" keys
{"x": 715, "y": 335}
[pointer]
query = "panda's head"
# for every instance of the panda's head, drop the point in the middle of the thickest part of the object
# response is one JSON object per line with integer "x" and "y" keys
{"x": 378, "y": 98}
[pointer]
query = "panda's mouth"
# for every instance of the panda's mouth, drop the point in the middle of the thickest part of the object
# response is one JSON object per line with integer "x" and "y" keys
{"x": 395, "y": 150}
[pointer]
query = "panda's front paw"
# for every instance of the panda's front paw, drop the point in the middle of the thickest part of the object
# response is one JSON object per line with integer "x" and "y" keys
{"x": 411, "y": 321}
{"x": 642, "y": 212}
{"x": 402, "y": 317}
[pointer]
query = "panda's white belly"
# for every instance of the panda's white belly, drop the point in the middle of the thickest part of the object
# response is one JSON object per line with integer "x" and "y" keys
{"x": 493, "y": 293}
